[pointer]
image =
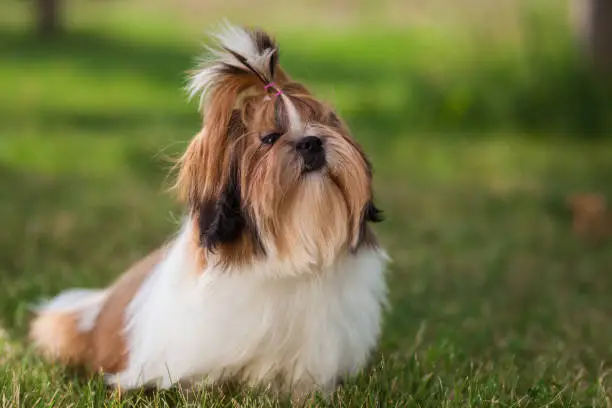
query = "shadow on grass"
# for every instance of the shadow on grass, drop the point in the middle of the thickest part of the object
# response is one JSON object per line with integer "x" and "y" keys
{"x": 109, "y": 123}
{"x": 97, "y": 54}
{"x": 543, "y": 90}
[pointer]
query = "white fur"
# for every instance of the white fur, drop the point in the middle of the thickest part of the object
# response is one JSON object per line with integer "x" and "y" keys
{"x": 87, "y": 303}
{"x": 296, "y": 128}
{"x": 213, "y": 324}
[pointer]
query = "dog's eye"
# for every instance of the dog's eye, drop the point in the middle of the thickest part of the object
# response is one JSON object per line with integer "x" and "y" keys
{"x": 270, "y": 138}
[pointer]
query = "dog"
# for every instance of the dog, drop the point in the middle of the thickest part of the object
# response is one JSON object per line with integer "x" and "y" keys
{"x": 275, "y": 277}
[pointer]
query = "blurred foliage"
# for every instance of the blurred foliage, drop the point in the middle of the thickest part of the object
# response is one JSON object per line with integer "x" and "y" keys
{"x": 536, "y": 81}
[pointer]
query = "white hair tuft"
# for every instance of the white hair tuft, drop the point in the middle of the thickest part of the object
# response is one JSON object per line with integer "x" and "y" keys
{"x": 234, "y": 48}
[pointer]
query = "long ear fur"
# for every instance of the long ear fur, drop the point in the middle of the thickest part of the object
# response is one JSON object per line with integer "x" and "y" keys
{"x": 372, "y": 213}
{"x": 222, "y": 221}
{"x": 221, "y": 218}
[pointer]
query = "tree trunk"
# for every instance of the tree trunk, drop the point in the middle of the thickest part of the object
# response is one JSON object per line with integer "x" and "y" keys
{"x": 592, "y": 20}
{"x": 48, "y": 17}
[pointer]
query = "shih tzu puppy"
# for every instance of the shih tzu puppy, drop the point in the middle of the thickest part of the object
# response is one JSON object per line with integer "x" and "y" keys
{"x": 275, "y": 277}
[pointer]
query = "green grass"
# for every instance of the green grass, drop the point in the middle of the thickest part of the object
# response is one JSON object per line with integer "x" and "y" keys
{"x": 475, "y": 145}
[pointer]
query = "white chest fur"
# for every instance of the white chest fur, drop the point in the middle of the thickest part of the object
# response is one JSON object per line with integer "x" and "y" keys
{"x": 300, "y": 331}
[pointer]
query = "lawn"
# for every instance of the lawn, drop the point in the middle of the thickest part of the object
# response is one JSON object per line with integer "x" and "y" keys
{"x": 476, "y": 142}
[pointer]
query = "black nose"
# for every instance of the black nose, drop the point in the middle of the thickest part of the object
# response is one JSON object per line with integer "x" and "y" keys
{"x": 311, "y": 150}
{"x": 310, "y": 145}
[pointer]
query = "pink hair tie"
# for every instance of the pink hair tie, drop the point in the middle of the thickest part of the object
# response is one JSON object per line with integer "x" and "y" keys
{"x": 273, "y": 85}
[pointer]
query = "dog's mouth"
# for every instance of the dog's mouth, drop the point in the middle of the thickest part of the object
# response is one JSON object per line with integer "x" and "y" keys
{"x": 314, "y": 163}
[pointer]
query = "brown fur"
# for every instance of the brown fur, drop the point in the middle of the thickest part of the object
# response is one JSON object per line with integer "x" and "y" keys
{"x": 109, "y": 350}
{"x": 57, "y": 337}
{"x": 591, "y": 217}
{"x": 102, "y": 348}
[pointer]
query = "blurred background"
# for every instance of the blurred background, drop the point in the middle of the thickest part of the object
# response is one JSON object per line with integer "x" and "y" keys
{"x": 489, "y": 124}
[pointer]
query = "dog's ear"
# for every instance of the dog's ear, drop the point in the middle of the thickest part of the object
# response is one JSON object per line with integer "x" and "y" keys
{"x": 366, "y": 237}
{"x": 211, "y": 183}
{"x": 372, "y": 213}
{"x": 222, "y": 220}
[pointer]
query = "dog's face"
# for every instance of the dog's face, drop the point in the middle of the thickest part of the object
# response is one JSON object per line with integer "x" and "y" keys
{"x": 276, "y": 175}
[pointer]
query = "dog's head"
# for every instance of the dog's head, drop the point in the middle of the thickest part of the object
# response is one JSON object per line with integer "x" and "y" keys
{"x": 274, "y": 172}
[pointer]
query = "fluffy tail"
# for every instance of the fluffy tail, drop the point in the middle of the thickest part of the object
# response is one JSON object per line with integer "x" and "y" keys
{"x": 61, "y": 329}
